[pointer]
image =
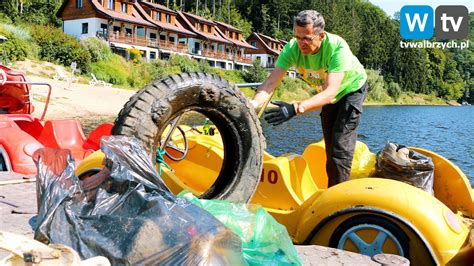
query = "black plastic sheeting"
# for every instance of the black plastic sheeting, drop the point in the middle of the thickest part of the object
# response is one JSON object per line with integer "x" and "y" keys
{"x": 397, "y": 162}
{"x": 131, "y": 217}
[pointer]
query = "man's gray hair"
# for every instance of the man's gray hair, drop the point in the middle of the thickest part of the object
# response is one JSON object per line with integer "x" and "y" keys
{"x": 306, "y": 17}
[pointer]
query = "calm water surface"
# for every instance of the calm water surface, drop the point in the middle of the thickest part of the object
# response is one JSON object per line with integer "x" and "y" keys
{"x": 446, "y": 130}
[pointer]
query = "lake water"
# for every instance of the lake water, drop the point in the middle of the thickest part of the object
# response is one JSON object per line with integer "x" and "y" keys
{"x": 446, "y": 130}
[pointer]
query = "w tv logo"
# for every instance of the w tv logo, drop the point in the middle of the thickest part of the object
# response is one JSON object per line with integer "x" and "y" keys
{"x": 420, "y": 22}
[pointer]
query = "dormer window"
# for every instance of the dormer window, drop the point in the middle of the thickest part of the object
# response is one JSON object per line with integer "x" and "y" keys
{"x": 123, "y": 8}
{"x": 209, "y": 29}
{"x": 168, "y": 18}
{"x": 78, "y": 3}
{"x": 231, "y": 35}
{"x": 158, "y": 16}
{"x": 254, "y": 43}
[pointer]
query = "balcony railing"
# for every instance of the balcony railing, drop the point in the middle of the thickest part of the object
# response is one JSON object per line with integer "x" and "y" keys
{"x": 246, "y": 59}
{"x": 216, "y": 54}
{"x": 178, "y": 47}
{"x": 142, "y": 41}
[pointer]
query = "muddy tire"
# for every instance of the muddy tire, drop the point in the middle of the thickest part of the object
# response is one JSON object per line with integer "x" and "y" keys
{"x": 147, "y": 113}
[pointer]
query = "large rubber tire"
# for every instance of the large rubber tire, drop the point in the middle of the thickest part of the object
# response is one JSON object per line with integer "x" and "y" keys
{"x": 147, "y": 113}
{"x": 379, "y": 221}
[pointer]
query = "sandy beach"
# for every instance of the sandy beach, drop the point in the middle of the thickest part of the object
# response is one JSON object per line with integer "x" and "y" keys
{"x": 92, "y": 105}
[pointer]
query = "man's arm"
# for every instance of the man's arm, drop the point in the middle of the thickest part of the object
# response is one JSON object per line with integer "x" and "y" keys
{"x": 332, "y": 85}
{"x": 265, "y": 90}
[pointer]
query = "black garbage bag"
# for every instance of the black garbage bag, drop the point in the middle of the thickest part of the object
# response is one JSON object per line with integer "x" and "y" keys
{"x": 397, "y": 162}
{"x": 130, "y": 216}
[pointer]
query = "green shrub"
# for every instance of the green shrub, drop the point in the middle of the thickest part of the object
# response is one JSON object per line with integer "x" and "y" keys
{"x": 135, "y": 55}
{"x": 56, "y": 46}
{"x": 98, "y": 49}
{"x": 291, "y": 89}
{"x": 377, "y": 91}
{"x": 255, "y": 73}
{"x": 14, "y": 49}
{"x": 142, "y": 74}
{"x": 205, "y": 67}
{"x": 24, "y": 35}
{"x": 394, "y": 91}
{"x": 233, "y": 76}
{"x": 115, "y": 71}
{"x": 18, "y": 31}
{"x": 5, "y": 19}
{"x": 160, "y": 69}
{"x": 185, "y": 63}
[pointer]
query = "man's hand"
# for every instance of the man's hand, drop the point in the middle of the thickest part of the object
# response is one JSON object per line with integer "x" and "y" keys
{"x": 284, "y": 112}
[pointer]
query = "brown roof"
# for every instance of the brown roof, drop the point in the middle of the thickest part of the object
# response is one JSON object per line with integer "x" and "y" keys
{"x": 134, "y": 18}
{"x": 211, "y": 36}
{"x": 176, "y": 27}
{"x": 198, "y": 18}
{"x": 240, "y": 43}
{"x": 225, "y": 25}
{"x": 158, "y": 6}
{"x": 261, "y": 37}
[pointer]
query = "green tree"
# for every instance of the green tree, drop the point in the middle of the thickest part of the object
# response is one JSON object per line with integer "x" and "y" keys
{"x": 56, "y": 46}
{"x": 255, "y": 73}
{"x": 394, "y": 91}
{"x": 452, "y": 86}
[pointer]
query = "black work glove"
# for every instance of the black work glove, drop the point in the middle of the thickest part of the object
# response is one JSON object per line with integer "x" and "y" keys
{"x": 276, "y": 116}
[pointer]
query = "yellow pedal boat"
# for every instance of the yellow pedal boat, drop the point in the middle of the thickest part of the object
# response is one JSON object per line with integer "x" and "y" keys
{"x": 365, "y": 215}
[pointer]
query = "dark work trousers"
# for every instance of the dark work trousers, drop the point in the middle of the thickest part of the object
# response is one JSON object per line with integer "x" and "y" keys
{"x": 340, "y": 122}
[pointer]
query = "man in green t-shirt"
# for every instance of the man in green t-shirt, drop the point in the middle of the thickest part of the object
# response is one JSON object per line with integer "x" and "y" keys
{"x": 325, "y": 61}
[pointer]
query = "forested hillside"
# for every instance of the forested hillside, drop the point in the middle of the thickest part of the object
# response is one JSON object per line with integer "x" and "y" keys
{"x": 372, "y": 34}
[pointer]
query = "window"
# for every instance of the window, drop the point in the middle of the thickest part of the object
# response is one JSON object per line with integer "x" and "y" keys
{"x": 254, "y": 43}
{"x": 140, "y": 32}
{"x": 128, "y": 32}
{"x": 152, "y": 55}
{"x": 209, "y": 29}
{"x": 78, "y": 3}
{"x": 171, "y": 39}
{"x": 163, "y": 37}
{"x": 153, "y": 36}
{"x": 85, "y": 28}
{"x": 168, "y": 18}
{"x": 103, "y": 29}
{"x": 231, "y": 35}
{"x": 110, "y": 4}
{"x": 116, "y": 29}
{"x": 123, "y": 7}
{"x": 158, "y": 16}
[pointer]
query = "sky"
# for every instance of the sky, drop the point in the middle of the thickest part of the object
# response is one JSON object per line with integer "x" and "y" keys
{"x": 392, "y": 6}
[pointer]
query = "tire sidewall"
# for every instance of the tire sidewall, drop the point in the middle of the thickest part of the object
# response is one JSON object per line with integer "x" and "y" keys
{"x": 225, "y": 106}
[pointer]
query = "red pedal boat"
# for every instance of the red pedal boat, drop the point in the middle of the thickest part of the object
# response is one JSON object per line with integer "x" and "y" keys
{"x": 21, "y": 134}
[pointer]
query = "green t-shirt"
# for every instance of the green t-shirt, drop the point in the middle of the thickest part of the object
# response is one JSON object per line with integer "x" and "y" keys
{"x": 333, "y": 56}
